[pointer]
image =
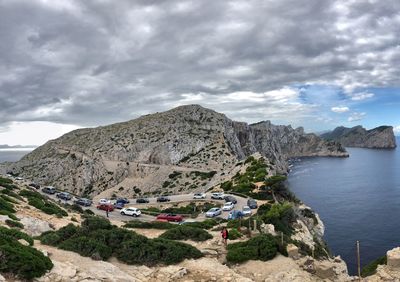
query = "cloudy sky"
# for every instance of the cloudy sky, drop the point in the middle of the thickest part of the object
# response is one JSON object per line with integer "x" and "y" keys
{"x": 318, "y": 64}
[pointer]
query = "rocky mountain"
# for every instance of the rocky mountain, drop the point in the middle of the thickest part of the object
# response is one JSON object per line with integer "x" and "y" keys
{"x": 186, "y": 148}
{"x": 381, "y": 137}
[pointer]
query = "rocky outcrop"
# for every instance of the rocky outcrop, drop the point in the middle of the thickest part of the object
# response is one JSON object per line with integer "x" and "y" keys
{"x": 142, "y": 153}
{"x": 381, "y": 137}
{"x": 34, "y": 226}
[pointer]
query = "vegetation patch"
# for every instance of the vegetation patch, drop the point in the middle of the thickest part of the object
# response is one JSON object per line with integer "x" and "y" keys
{"x": 40, "y": 202}
{"x": 370, "y": 268}
{"x": 234, "y": 234}
{"x": 149, "y": 225}
{"x": 23, "y": 261}
{"x": 262, "y": 247}
{"x": 184, "y": 232}
{"x": 98, "y": 239}
{"x": 13, "y": 223}
{"x": 15, "y": 234}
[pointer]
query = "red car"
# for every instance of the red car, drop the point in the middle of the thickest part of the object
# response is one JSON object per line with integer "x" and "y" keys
{"x": 170, "y": 217}
{"x": 105, "y": 207}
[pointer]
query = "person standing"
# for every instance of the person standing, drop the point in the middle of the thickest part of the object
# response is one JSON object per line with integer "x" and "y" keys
{"x": 224, "y": 234}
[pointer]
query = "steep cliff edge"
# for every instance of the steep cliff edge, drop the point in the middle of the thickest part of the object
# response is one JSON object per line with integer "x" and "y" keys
{"x": 381, "y": 137}
{"x": 142, "y": 155}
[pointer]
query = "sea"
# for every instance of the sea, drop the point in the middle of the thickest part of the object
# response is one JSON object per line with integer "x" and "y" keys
{"x": 13, "y": 154}
{"x": 357, "y": 198}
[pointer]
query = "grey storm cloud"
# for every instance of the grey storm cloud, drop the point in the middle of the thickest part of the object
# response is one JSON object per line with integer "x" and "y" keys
{"x": 96, "y": 62}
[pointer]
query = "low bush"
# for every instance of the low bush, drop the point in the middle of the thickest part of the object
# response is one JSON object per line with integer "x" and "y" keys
{"x": 262, "y": 247}
{"x": 98, "y": 239}
{"x": 8, "y": 199}
{"x": 151, "y": 252}
{"x": 9, "y": 214}
{"x": 206, "y": 224}
{"x": 11, "y": 193}
{"x": 6, "y": 206}
{"x": 234, "y": 234}
{"x": 370, "y": 268}
{"x": 150, "y": 225}
{"x": 16, "y": 234}
{"x": 23, "y": 261}
{"x": 13, "y": 223}
{"x": 184, "y": 232}
{"x": 40, "y": 202}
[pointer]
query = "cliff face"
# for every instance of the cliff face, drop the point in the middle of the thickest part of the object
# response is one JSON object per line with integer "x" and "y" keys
{"x": 143, "y": 153}
{"x": 381, "y": 137}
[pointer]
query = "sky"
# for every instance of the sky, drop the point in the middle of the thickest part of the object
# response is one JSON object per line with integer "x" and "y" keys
{"x": 311, "y": 63}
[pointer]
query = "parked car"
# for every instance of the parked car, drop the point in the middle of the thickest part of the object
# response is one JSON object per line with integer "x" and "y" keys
{"x": 19, "y": 178}
{"x": 64, "y": 196}
{"x": 213, "y": 212}
{"x": 83, "y": 202}
{"x": 104, "y": 201}
{"x": 119, "y": 205}
{"x": 142, "y": 200}
{"x": 229, "y": 198}
{"x": 246, "y": 210}
{"x": 163, "y": 199}
{"x": 123, "y": 200}
{"x": 217, "y": 196}
{"x": 34, "y": 185}
{"x": 105, "y": 207}
{"x": 228, "y": 206}
{"x": 49, "y": 190}
{"x": 199, "y": 196}
{"x": 235, "y": 214}
{"x": 170, "y": 217}
{"x": 131, "y": 211}
{"x": 252, "y": 203}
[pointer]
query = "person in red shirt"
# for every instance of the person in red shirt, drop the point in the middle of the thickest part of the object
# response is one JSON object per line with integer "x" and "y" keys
{"x": 224, "y": 234}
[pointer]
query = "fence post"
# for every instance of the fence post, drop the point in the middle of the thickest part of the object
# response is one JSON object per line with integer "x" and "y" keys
{"x": 358, "y": 260}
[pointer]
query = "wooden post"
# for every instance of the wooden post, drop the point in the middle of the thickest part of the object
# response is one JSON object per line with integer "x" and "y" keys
{"x": 358, "y": 260}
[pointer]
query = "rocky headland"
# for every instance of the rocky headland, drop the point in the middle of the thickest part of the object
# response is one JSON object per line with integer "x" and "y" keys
{"x": 381, "y": 137}
{"x": 138, "y": 156}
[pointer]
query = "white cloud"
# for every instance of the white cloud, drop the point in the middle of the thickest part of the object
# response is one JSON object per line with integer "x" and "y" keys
{"x": 356, "y": 117}
{"x": 340, "y": 109}
{"x": 396, "y": 130}
{"x": 361, "y": 96}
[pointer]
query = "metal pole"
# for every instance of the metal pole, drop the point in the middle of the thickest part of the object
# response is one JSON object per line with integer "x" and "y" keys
{"x": 358, "y": 260}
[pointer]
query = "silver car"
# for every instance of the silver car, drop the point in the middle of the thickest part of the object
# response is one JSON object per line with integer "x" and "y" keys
{"x": 213, "y": 212}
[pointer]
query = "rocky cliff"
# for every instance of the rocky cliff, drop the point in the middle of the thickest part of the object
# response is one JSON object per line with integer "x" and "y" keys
{"x": 381, "y": 137}
{"x": 143, "y": 155}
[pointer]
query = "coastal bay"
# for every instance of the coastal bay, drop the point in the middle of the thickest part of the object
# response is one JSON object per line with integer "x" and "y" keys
{"x": 357, "y": 198}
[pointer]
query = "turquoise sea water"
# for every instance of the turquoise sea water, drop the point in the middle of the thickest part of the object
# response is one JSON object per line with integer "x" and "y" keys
{"x": 358, "y": 198}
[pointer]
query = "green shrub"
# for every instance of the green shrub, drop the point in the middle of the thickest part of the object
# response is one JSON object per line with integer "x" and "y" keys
{"x": 262, "y": 247}
{"x": 152, "y": 252}
{"x": 149, "y": 225}
{"x": 370, "y": 268}
{"x": 281, "y": 216}
{"x": 234, "y": 234}
{"x": 16, "y": 234}
{"x": 10, "y": 215}
{"x": 8, "y": 199}
{"x": 6, "y": 206}
{"x": 98, "y": 239}
{"x": 13, "y": 223}
{"x": 40, "y": 202}
{"x": 23, "y": 261}
{"x": 50, "y": 238}
{"x": 184, "y": 232}
{"x": 11, "y": 193}
{"x": 205, "y": 224}
{"x": 87, "y": 247}
{"x": 96, "y": 222}
{"x": 263, "y": 209}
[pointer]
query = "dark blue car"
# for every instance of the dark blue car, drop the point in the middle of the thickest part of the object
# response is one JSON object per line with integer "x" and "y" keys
{"x": 123, "y": 201}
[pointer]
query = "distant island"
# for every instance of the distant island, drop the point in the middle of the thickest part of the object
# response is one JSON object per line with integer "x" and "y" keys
{"x": 381, "y": 137}
{"x": 5, "y": 146}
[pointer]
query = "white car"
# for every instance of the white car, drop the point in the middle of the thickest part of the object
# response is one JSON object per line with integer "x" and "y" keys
{"x": 131, "y": 211}
{"x": 199, "y": 196}
{"x": 213, "y": 212}
{"x": 246, "y": 211}
{"x": 228, "y": 206}
{"x": 104, "y": 202}
{"x": 217, "y": 196}
{"x": 19, "y": 178}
